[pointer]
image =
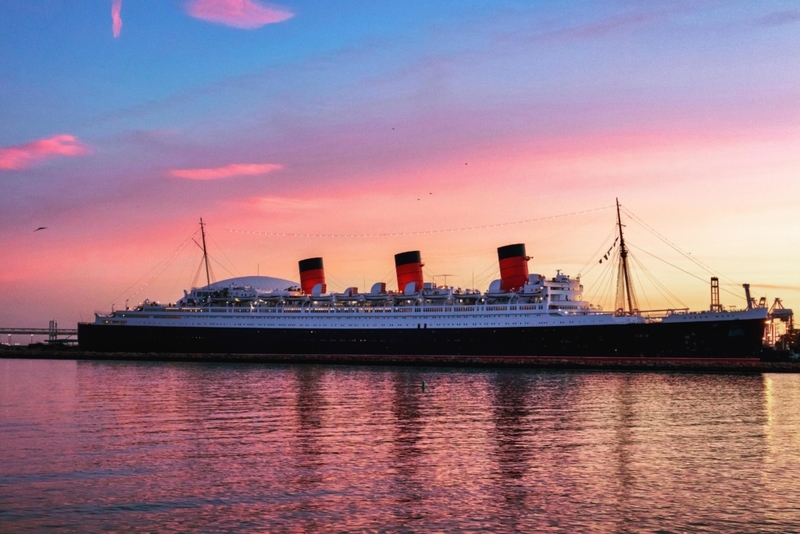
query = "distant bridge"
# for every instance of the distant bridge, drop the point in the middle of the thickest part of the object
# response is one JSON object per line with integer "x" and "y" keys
{"x": 53, "y": 333}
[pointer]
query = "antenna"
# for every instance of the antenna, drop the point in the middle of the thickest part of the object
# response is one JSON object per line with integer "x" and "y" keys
{"x": 205, "y": 252}
{"x": 445, "y": 278}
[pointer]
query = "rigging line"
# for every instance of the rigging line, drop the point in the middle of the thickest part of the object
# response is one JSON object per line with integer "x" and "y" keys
{"x": 559, "y": 234}
{"x": 197, "y": 274}
{"x": 599, "y": 283}
{"x": 488, "y": 271}
{"x": 433, "y": 276}
{"x": 213, "y": 276}
{"x": 428, "y": 273}
{"x": 489, "y": 274}
{"x": 487, "y": 280}
{"x": 223, "y": 267}
{"x": 387, "y": 278}
{"x": 157, "y": 274}
{"x": 180, "y": 274}
{"x": 591, "y": 294}
{"x": 685, "y": 271}
{"x": 676, "y": 247}
{"x": 589, "y": 290}
{"x": 636, "y": 271}
{"x": 145, "y": 275}
{"x": 223, "y": 253}
{"x": 653, "y": 280}
{"x": 639, "y": 281}
{"x": 421, "y": 232}
{"x": 610, "y": 292}
{"x": 658, "y": 285}
{"x": 599, "y": 249}
{"x": 614, "y": 276}
{"x": 336, "y": 283}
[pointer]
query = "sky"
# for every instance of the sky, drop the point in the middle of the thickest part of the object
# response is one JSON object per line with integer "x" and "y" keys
{"x": 355, "y": 130}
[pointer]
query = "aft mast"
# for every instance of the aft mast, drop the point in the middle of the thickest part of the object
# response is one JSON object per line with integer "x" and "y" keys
{"x": 624, "y": 287}
{"x": 205, "y": 253}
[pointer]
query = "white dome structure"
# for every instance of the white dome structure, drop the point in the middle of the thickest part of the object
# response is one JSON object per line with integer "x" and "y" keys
{"x": 259, "y": 283}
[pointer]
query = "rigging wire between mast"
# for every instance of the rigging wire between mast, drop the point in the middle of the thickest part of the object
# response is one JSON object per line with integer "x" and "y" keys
{"x": 421, "y": 232}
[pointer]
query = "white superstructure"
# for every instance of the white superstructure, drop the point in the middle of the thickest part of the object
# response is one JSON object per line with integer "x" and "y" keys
{"x": 540, "y": 302}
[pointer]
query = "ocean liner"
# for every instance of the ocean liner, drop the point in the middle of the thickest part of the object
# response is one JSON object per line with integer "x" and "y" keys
{"x": 521, "y": 314}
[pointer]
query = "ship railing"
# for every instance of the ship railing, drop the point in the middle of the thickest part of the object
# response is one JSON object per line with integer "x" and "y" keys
{"x": 660, "y": 314}
{"x": 399, "y": 309}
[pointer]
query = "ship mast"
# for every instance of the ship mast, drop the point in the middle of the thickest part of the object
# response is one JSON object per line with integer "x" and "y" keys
{"x": 205, "y": 253}
{"x": 624, "y": 288}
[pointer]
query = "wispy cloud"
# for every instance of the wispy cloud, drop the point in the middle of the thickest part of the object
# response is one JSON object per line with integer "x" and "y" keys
{"x": 245, "y": 14}
{"x": 116, "y": 20}
{"x": 23, "y": 156}
{"x": 608, "y": 26}
{"x": 228, "y": 171}
{"x": 780, "y": 18}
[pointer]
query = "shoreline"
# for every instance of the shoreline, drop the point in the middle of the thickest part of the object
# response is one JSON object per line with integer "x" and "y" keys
{"x": 707, "y": 365}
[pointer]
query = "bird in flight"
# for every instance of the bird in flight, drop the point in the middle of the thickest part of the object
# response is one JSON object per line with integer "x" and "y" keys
{"x": 41, "y": 228}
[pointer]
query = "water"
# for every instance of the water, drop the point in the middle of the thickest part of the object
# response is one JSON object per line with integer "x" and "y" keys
{"x": 96, "y": 446}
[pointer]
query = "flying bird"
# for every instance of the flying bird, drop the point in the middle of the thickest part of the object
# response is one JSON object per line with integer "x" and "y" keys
{"x": 41, "y": 228}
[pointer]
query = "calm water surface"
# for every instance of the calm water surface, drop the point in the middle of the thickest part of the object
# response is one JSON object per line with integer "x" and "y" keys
{"x": 95, "y": 446}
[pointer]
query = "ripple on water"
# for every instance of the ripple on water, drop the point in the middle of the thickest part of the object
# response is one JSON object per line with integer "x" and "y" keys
{"x": 98, "y": 445}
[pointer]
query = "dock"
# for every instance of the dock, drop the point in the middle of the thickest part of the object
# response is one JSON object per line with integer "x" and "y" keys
{"x": 555, "y": 363}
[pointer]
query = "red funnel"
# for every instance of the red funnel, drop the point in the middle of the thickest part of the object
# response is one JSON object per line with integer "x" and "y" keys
{"x": 513, "y": 267}
{"x": 312, "y": 273}
{"x": 409, "y": 269}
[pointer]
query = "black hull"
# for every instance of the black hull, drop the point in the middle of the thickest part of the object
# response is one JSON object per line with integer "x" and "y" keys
{"x": 711, "y": 339}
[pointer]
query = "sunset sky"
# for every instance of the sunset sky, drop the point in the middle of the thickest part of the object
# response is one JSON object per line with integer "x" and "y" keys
{"x": 381, "y": 124}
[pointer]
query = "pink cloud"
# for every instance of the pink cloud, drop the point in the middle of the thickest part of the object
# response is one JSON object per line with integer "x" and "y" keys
{"x": 116, "y": 7}
{"x": 23, "y": 156}
{"x": 228, "y": 171}
{"x": 245, "y": 14}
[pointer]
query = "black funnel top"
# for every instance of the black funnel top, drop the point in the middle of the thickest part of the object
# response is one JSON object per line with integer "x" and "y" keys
{"x": 511, "y": 251}
{"x": 310, "y": 264}
{"x": 404, "y": 258}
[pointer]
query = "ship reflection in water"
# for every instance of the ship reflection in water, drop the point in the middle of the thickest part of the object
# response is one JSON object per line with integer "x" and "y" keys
{"x": 91, "y": 446}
